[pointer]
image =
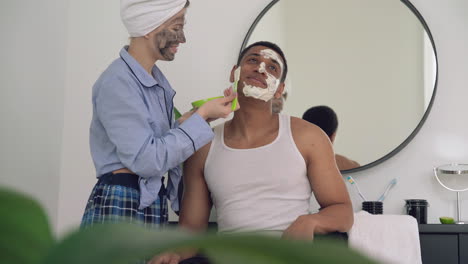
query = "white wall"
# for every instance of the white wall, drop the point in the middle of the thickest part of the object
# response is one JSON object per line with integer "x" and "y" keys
{"x": 273, "y": 26}
{"x": 95, "y": 36}
{"x": 215, "y": 31}
{"x": 32, "y": 81}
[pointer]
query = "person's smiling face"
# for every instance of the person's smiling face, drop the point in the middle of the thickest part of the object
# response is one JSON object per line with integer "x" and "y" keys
{"x": 169, "y": 35}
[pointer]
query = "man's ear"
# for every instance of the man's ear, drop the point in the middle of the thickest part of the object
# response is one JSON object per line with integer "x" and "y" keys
{"x": 279, "y": 91}
{"x": 231, "y": 77}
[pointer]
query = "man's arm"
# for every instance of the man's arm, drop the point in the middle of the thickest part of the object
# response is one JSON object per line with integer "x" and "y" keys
{"x": 195, "y": 206}
{"x": 329, "y": 189}
{"x": 196, "y": 202}
{"x": 344, "y": 163}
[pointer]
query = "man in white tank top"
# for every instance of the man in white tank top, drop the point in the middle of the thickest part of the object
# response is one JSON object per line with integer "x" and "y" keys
{"x": 261, "y": 168}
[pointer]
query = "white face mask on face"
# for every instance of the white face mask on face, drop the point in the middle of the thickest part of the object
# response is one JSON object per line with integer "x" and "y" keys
{"x": 265, "y": 94}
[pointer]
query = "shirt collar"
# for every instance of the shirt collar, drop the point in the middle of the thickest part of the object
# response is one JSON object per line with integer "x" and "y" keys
{"x": 143, "y": 77}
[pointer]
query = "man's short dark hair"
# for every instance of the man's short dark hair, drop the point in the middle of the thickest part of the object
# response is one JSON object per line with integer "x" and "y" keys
{"x": 324, "y": 117}
{"x": 270, "y": 45}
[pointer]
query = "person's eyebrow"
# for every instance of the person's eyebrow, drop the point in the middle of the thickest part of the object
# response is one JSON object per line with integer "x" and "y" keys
{"x": 276, "y": 62}
{"x": 253, "y": 54}
{"x": 258, "y": 55}
{"x": 178, "y": 20}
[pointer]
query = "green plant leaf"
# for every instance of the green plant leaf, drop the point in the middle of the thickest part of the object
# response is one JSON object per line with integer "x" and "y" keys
{"x": 25, "y": 232}
{"x": 124, "y": 243}
{"x": 265, "y": 250}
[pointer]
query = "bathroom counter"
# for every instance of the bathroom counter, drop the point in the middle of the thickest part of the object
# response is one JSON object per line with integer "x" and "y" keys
{"x": 444, "y": 243}
{"x": 439, "y": 228}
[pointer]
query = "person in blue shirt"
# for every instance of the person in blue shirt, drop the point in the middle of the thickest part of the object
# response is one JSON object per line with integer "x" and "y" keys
{"x": 134, "y": 137}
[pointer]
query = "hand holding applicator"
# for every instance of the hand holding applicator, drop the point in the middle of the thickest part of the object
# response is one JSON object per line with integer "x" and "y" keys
{"x": 234, "y": 86}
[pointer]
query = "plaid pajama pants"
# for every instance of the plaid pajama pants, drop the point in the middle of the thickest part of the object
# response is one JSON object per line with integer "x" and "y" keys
{"x": 116, "y": 203}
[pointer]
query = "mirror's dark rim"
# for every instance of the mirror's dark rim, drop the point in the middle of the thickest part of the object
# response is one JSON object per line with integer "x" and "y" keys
{"x": 429, "y": 107}
{"x": 254, "y": 24}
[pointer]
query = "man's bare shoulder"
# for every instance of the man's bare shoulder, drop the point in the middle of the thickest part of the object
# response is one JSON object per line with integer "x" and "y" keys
{"x": 198, "y": 159}
{"x": 309, "y": 138}
{"x": 203, "y": 151}
{"x": 301, "y": 128}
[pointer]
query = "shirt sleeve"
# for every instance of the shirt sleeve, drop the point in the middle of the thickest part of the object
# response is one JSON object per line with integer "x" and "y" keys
{"x": 173, "y": 182}
{"x": 121, "y": 108}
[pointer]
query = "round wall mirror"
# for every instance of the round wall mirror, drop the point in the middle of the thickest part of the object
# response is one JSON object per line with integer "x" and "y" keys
{"x": 373, "y": 62}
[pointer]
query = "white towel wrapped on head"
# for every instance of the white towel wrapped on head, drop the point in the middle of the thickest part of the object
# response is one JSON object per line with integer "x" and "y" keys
{"x": 386, "y": 238}
{"x": 140, "y": 17}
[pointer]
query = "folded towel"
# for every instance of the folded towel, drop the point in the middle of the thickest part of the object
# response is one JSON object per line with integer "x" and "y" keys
{"x": 386, "y": 238}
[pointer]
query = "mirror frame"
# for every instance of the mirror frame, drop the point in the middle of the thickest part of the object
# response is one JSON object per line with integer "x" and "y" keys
{"x": 429, "y": 107}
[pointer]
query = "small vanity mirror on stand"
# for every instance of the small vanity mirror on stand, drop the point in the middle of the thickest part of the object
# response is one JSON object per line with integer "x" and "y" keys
{"x": 453, "y": 177}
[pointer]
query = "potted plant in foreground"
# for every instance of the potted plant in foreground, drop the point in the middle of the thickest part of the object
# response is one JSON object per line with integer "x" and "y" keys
{"x": 26, "y": 238}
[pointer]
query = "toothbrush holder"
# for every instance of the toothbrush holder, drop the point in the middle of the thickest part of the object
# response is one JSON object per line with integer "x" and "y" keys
{"x": 373, "y": 207}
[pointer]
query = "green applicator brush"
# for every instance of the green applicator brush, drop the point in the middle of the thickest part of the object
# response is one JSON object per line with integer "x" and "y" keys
{"x": 234, "y": 86}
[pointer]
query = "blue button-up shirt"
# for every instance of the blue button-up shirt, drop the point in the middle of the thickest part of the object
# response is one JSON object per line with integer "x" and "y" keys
{"x": 133, "y": 127}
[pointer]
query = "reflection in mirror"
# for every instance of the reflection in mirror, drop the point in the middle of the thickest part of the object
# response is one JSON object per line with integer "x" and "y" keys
{"x": 373, "y": 62}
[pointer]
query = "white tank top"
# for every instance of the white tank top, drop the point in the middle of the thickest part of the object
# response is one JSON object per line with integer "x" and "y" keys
{"x": 258, "y": 189}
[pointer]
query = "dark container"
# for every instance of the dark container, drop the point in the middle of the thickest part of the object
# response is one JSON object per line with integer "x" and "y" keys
{"x": 373, "y": 207}
{"x": 418, "y": 209}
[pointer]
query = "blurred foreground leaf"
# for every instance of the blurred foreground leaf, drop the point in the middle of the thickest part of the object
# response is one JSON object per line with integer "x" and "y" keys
{"x": 125, "y": 243}
{"x": 26, "y": 239}
{"x": 25, "y": 235}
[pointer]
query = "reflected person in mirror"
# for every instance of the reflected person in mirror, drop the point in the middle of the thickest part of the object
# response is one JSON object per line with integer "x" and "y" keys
{"x": 134, "y": 138}
{"x": 260, "y": 170}
{"x": 325, "y": 118}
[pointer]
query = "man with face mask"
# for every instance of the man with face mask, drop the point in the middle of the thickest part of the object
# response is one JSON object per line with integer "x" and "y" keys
{"x": 261, "y": 168}
{"x": 134, "y": 138}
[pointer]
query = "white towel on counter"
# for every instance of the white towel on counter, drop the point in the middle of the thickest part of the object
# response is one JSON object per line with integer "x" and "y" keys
{"x": 392, "y": 239}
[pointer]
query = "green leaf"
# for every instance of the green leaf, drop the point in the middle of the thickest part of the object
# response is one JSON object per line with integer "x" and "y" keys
{"x": 26, "y": 239}
{"x": 177, "y": 114}
{"x": 124, "y": 243}
{"x": 25, "y": 232}
{"x": 265, "y": 250}
{"x": 112, "y": 243}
